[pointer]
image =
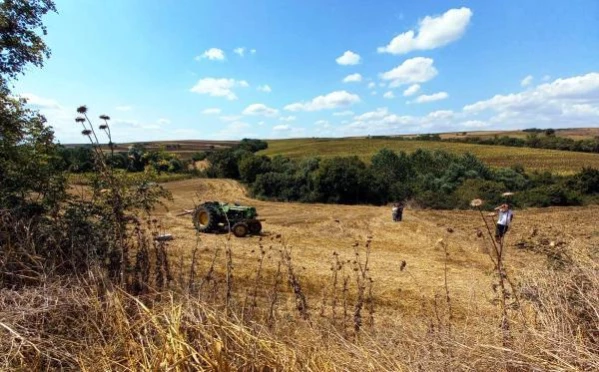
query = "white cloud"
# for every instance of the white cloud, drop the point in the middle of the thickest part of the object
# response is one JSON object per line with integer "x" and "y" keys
{"x": 61, "y": 119}
{"x": 441, "y": 114}
{"x": 371, "y": 85}
{"x": 348, "y": 58}
{"x": 526, "y": 81}
{"x": 563, "y": 103}
{"x": 123, "y": 108}
{"x": 388, "y": 95}
{"x": 353, "y": 78}
{"x": 373, "y": 93}
{"x": 211, "y": 111}
{"x": 239, "y": 51}
{"x": 546, "y": 78}
{"x": 287, "y": 118}
{"x": 213, "y": 54}
{"x": 234, "y": 130}
{"x": 413, "y": 70}
{"x": 343, "y": 113}
{"x": 433, "y": 32}
{"x": 340, "y": 98}
{"x": 230, "y": 118}
{"x": 567, "y": 102}
{"x": 253, "y": 51}
{"x": 412, "y": 89}
{"x": 287, "y": 131}
{"x": 549, "y": 97}
{"x": 281, "y": 127}
{"x": 377, "y": 121}
{"x": 474, "y": 124}
{"x": 264, "y": 88}
{"x": 38, "y": 103}
{"x": 218, "y": 87}
{"x": 424, "y": 98}
{"x": 163, "y": 121}
{"x": 379, "y": 113}
{"x": 260, "y": 109}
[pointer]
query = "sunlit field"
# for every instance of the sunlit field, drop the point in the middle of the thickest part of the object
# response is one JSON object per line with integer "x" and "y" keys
{"x": 497, "y": 156}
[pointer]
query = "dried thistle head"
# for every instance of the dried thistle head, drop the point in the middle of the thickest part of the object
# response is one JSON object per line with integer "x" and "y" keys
{"x": 80, "y": 119}
{"x": 104, "y": 117}
{"x": 86, "y": 132}
{"x": 103, "y": 126}
{"x": 476, "y": 203}
{"x": 82, "y": 109}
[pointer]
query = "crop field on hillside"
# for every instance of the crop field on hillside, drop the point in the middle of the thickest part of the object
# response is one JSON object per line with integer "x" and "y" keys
{"x": 572, "y": 133}
{"x": 499, "y": 156}
{"x": 184, "y": 148}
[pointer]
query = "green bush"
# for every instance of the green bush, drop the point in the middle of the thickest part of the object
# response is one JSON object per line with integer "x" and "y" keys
{"x": 341, "y": 180}
{"x": 545, "y": 196}
{"x": 199, "y": 156}
{"x": 489, "y": 191}
{"x": 250, "y": 166}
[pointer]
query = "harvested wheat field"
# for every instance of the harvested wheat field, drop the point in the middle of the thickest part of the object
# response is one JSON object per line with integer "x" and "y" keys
{"x": 324, "y": 288}
{"x": 315, "y": 232}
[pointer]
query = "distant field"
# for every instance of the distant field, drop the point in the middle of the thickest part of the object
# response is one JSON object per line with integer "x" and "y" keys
{"x": 498, "y": 156}
{"x": 573, "y": 133}
{"x": 184, "y": 148}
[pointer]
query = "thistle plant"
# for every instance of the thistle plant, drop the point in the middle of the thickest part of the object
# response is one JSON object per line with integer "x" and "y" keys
{"x": 116, "y": 202}
{"x": 497, "y": 257}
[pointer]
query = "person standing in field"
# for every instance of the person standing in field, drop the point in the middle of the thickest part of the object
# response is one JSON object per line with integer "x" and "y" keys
{"x": 400, "y": 207}
{"x": 505, "y": 217}
{"x": 397, "y": 212}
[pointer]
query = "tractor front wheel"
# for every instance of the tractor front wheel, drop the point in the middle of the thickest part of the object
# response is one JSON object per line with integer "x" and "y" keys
{"x": 255, "y": 227}
{"x": 240, "y": 229}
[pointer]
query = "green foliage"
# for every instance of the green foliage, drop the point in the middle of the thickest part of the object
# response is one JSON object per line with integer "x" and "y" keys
{"x": 489, "y": 191}
{"x": 250, "y": 166}
{"x": 30, "y": 166}
{"x": 79, "y": 159}
{"x": 20, "y": 42}
{"x": 199, "y": 156}
{"x": 587, "y": 181}
{"x": 548, "y": 195}
{"x": 252, "y": 145}
{"x": 341, "y": 180}
{"x": 223, "y": 164}
{"x": 433, "y": 179}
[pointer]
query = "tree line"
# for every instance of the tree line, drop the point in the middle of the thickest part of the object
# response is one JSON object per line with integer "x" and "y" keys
{"x": 430, "y": 179}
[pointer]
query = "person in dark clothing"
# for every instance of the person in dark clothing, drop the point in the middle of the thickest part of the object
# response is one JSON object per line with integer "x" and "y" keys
{"x": 400, "y": 207}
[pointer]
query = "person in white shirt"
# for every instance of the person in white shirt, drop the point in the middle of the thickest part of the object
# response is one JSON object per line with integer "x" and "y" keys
{"x": 394, "y": 211}
{"x": 505, "y": 217}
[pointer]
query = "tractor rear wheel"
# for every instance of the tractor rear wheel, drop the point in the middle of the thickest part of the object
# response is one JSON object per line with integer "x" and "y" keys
{"x": 205, "y": 219}
{"x": 255, "y": 227}
{"x": 240, "y": 229}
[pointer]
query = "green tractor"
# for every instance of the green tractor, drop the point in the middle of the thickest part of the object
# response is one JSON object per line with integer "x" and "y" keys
{"x": 213, "y": 217}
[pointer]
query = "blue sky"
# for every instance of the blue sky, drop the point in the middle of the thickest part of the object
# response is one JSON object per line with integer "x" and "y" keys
{"x": 276, "y": 69}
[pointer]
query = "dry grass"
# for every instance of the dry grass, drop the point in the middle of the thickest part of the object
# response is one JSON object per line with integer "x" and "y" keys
{"x": 497, "y": 156}
{"x": 236, "y": 304}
